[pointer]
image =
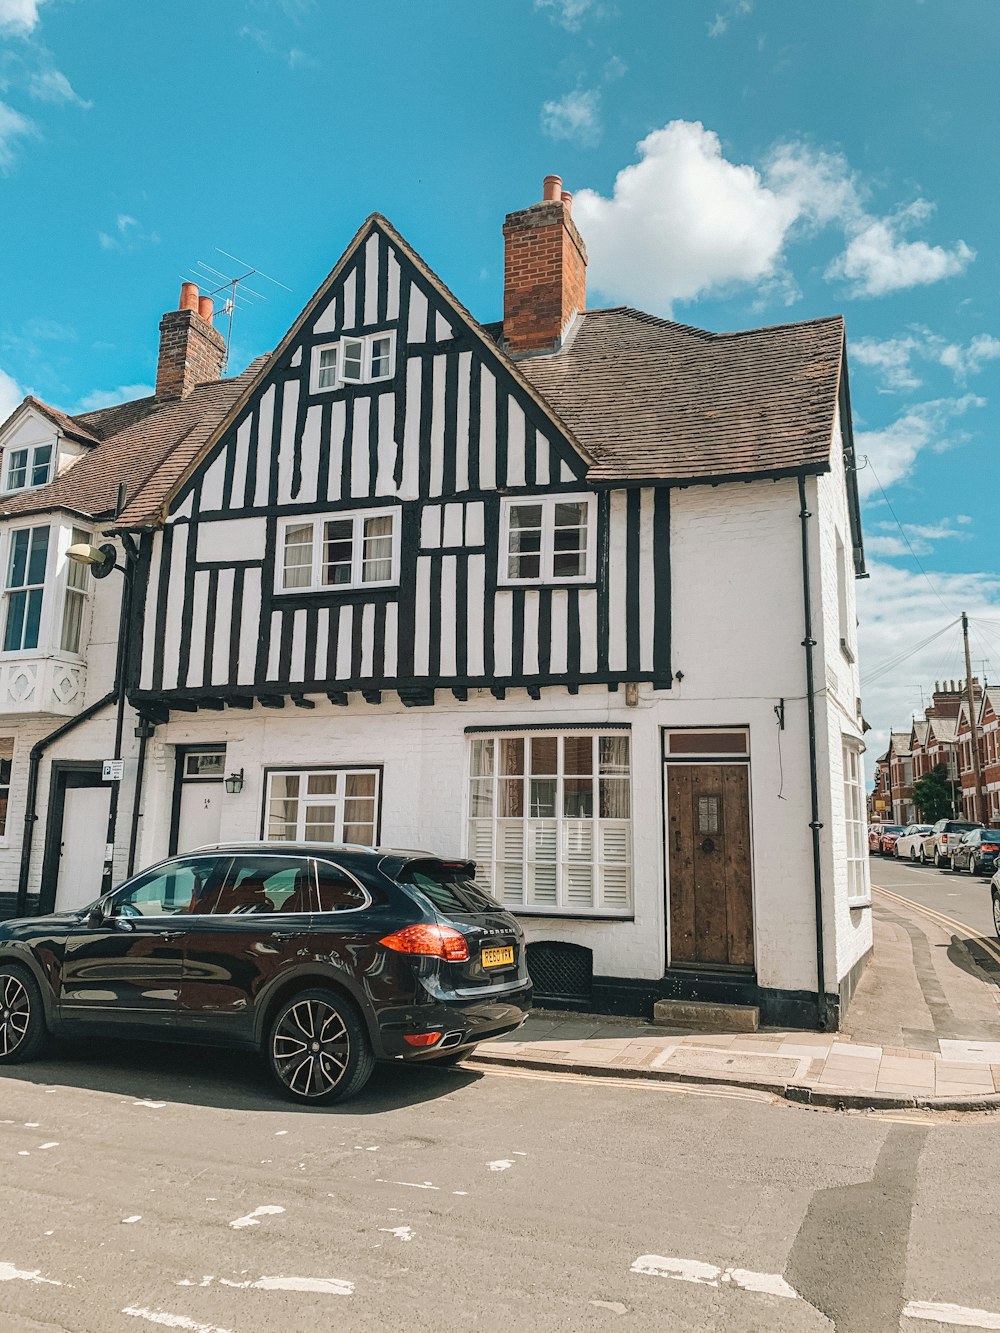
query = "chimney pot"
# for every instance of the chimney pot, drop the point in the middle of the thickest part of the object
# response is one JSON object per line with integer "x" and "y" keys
{"x": 206, "y": 306}
{"x": 189, "y": 296}
{"x": 567, "y": 199}
{"x": 552, "y": 188}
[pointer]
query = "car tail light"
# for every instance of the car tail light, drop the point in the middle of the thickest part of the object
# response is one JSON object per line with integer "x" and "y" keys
{"x": 421, "y": 1038}
{"x": 431, "y": 941}
{"x": 989, "y": 847}
{"x": 944, "y": 838}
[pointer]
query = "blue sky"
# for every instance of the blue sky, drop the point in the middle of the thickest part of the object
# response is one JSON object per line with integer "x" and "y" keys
{"x": 735, "y": 163}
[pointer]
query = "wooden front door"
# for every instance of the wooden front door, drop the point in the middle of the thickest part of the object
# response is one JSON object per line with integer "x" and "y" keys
{"x": 709, "y": 858}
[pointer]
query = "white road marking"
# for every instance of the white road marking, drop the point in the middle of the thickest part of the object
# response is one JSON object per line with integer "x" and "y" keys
{"x": 323, "y": 1286}
{"x": 43, "y": 1146}
{"x": 615, "y": 1307}
{"x": 8, "y": 1273}
{"x": 403, "y": 1233}
{"x": 278, "y": 1133}
{"x": 710, "y": 1275}
{"x": 157, "y": 1106}
{"x": 410, "y": 1184}
{"x": 771, "y": 1284}
{"x": 172, "y": 1320}
{"x": 501, "y": 1164}
{"x": 253, "y": 1219}
{"x": 136, "y": 1217}
{"x": 939, "y": 1312}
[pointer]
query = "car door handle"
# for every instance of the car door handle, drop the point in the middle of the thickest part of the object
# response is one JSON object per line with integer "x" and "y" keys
{"x": 173, "y": 935}
{"x": 288, "y": 934}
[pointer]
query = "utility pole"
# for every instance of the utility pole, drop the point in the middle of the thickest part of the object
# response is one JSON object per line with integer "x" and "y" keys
{"x": 973, "y": 721}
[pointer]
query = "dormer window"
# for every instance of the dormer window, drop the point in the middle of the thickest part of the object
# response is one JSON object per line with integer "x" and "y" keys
{"x": 353, "y": 361}
{"x": 28, "y": 467}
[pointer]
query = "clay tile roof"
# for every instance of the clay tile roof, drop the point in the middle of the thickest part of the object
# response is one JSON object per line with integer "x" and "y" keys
{"x": 70, "y": 426}
{"x": 142, "y": 452}
{"x": 650, "y": 398}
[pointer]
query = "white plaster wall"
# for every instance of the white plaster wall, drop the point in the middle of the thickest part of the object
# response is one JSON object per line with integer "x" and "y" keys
{"x": 848, "y": 929}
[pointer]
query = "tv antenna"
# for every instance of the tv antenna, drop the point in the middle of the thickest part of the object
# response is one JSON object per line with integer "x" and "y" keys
{"x": 238, "y": 295}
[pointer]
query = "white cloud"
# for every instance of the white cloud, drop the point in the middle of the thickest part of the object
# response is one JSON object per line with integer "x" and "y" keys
{"x": 724, "y": 17}
{"x": 128, "y": 234}
{"x": 13, "y": 126}
{"x": 682, "y": 220}
{"x": 124, "y": 393}
{"x": 893, "y": 449}
{"x": 878, "y": 261}
{"x": 892, "y": 358}
{"x": 19, "y": 16}
{"x": 920, "y": 537}
{"x": 577, "y": 117}
{"x": 11, "y": 394}
{"x": 898, "y": 608}
{"x": 569, "y": 13}
{"x": 51, "y": 85}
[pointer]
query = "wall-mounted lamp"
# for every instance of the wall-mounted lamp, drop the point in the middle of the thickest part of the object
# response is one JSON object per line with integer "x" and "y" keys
{"x": 234, "y": 783}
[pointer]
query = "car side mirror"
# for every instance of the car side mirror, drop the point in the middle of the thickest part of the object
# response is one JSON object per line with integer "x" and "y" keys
{"x": 98, "y": 915}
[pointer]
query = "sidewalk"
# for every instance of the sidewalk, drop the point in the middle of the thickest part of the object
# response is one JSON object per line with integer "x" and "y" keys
{"x": 924, "y": 1030}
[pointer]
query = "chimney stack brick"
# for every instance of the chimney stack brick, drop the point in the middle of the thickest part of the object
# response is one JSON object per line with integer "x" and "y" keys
{"x": 191, "y": 350}
{"x": 545, "y": 272}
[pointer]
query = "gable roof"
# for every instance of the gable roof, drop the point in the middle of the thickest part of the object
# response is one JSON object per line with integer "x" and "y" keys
{"x": 919, "y": 732}
{"x": 899, "y": 743}
{"x": 943, "y": 729}
{"x": 139, "y": 447}
{"x": 653, "y": 399}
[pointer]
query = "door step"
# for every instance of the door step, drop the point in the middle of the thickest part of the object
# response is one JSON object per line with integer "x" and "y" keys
{"x": 701, "y": 1016}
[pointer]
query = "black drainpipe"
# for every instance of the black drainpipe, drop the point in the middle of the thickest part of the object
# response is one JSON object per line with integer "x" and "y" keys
{"x": 144, "y": 730}
{"x": 809, "y": 643}
{"x": 30, "y": 814}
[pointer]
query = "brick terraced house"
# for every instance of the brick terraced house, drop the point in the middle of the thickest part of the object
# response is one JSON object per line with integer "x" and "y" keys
{"x": 571, "y": 594}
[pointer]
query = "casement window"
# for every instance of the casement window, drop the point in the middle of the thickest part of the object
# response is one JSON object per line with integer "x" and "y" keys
{"x": 24, "y": 586}
{"x": 548, "y": 539}
{"x": 339, "y": 551}
{"x": 855, "y": 832}
{"x": 28, "y": 467}
{"x": 550, "y": 821}
{"x": 353, "y": 361}
{"x": 6, "y": 760}
{"x": 77, "y": 592}
{"x": 322, "y": 805}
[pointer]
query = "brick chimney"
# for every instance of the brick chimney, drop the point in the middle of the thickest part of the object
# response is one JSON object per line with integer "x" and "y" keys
{"x": 191, "y": 351}
{"x": 545, "y": 272}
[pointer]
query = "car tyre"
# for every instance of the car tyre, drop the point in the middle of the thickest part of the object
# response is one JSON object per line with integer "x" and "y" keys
{"x": 921, "y": 856}
{"x": 317, "y": 1048}
{"x": 938, "y": 860}
{"x": 996, "y": 911}
{"x": 973, "y": 866}
{"x": 22, "y": 1017}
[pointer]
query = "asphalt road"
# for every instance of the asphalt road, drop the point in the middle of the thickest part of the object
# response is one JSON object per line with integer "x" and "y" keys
{"x": 162, "y": 1187}
{"x": 961, "y": 896}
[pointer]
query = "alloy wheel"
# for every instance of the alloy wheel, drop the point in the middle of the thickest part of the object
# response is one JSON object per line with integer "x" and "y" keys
{"x": 996, "y": 913}
{"x": 973, "y": 866}
{"x": 311, "y": 1048}
{"x": 15, "y": 1014}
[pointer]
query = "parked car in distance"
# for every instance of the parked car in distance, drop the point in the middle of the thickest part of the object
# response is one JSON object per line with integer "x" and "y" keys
{"x": 875, "y": 837}
{"x": 911, "y": 840}
{"x": 887, "y": 840}
{"x": 323, "y": 958}
{"x": 977, "y": 852}
{"x": 945, "y": 835}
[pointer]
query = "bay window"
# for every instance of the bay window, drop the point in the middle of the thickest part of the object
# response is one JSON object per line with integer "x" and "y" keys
{"x": 550, "y": 821}
{"x": 77, "y": 591}
{"x": 24, "y": 587}
{"x": 855, "y": 827}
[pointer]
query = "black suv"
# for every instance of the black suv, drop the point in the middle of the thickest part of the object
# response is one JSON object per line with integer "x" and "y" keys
{"x": 324, "y": 958}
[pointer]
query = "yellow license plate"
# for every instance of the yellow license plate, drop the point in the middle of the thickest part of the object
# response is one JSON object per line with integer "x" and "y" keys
{"x": 498, "y": 957}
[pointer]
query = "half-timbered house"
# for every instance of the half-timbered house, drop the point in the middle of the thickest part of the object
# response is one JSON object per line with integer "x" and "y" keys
{"x": 571, "y": 594}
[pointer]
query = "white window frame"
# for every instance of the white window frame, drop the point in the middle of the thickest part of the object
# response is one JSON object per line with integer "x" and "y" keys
{"x": 546, "y": 575}
{"x": 6, "y": 786}
{"x": 82, "y": 591}
{"x": 357, "y": 517}
{"x": 30, "y": 450}
{"x": 6, "y": 590}
{"x": 859, "y": 893}
{"x": 486, "y": 873}
{"x": 333, "y": 801}
{"x": 367, "y": 376}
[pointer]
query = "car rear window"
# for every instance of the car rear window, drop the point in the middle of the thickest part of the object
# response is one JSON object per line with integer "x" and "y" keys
{"x": 959, "y": 828}
{"x": 449, "y": 888}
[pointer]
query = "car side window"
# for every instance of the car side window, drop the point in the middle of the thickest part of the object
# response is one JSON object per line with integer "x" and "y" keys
{"x": 338, "y": 892}
{"x": 182, "y": 886}
{"x": 266, "y": 884}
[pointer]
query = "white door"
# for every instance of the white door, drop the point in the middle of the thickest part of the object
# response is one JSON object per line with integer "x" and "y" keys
{"x": 81, "y": 856}
{"x": 200, "y": 816}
